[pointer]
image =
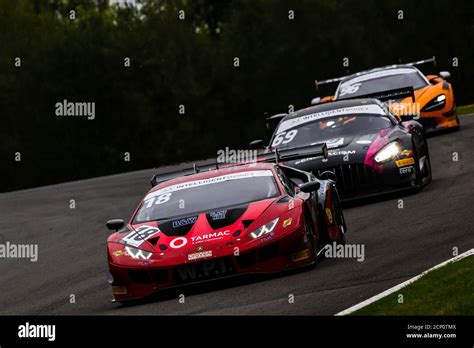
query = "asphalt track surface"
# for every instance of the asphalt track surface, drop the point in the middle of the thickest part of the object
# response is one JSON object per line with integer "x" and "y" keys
{"x": 399, "y": 243}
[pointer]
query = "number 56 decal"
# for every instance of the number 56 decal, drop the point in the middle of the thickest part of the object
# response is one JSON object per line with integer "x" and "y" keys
{"x": 284, "y": 137}
{"x": 349, "y": 89}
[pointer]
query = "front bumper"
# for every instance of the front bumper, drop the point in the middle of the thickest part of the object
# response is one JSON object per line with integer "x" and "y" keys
{"x": 357, "y": 180}
{"x": 289, "y": 251}
{"x": 436, "y": 121}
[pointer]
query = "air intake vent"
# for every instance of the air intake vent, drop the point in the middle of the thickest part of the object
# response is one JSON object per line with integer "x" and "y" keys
{"x": 154, "y": 241}
{"x": 247, "y": 223}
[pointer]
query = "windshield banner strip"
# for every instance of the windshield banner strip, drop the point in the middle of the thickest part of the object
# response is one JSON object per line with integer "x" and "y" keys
{"x": 363, "y": 109}
{"x": 378, "y": 74}
{"x": 210, "y": 181}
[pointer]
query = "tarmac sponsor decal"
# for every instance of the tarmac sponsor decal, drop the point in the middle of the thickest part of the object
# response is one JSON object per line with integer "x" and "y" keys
{"x": 353, "y": 110}
{"x": 19, "y": 251}
{"x": 405, "y": 162}
{"x": 210, "y": 236}
{"x": 200, "y": 255}
{"x": 178, "y": 242}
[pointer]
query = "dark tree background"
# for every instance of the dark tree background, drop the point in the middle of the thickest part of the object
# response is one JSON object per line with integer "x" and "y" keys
{"x": 191, "y": 62}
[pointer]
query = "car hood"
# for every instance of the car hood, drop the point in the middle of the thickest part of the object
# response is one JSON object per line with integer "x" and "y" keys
{"x": 196, "y": 232}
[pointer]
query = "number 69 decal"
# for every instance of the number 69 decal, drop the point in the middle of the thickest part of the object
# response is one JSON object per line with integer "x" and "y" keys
{"x": 284, "y": 137}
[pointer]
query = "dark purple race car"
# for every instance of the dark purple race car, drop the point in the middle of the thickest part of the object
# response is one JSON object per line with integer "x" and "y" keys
{"x": 371, "y": 151}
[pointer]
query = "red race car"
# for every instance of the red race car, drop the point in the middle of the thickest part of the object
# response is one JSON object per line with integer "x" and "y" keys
{"x": 249, "y": 218}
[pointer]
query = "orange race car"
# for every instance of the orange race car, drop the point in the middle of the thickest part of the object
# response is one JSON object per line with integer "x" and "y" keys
{"x": 433, "y": 100}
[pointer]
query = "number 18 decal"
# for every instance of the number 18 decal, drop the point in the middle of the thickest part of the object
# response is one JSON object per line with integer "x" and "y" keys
{"x": 143, "y": 233}
{"x": 165, "y": 197}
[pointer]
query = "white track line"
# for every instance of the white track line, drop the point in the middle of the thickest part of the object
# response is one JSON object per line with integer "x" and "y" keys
{"x": 402, "y": 285}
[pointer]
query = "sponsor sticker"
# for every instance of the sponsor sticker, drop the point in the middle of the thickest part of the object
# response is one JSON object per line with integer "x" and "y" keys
{"x": 268, "y": 237}
{"x": 405, "y": 162}
{"x": 184, "y": 222}
{"x": 406, "y": 170}
{"x": 119, "y": 290}
{"x": 210, "y": 236}
{"x": 287, "y": 222}
{"x": 301, "y": 255}
{"x": 329, "y": 215}
{"x": 178, "y": 242}
{"x": 118, "y": 253}
{"x": 218, "y": 215}
{"x": 200, "y": 255}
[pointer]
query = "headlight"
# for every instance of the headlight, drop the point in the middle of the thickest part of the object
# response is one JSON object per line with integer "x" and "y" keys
{"x": 138, "y": 253}
{"x": 388, "y": 152}
{"x": 267, "y": 228}
{"x": 436, "y": 103}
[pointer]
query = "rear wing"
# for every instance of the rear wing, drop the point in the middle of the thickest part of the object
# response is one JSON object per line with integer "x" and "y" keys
{"x": 275, "y": 156}
{"x": 424, "y": 61}
{"x": 339, "y": 79}
{"x": 391, "y": 94}
{"x": 328, "y": 81}
{"x": 162, "y": 177}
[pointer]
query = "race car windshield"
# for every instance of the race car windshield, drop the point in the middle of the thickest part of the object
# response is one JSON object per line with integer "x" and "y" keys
{"x": 365, "y": 85}
{"x": 207, "y": 194}
{"x": 327, "y": 129}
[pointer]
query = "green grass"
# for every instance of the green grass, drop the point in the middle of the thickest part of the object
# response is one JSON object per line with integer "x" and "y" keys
{"x": 466, "y": 109}
{"x": 448, "y": 290}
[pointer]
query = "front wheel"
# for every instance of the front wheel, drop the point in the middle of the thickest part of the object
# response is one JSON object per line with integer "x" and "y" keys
{"x": 339, "y": 220}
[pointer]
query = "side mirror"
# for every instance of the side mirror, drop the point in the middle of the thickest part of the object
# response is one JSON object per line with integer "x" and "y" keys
{"x": 115, "y": 225}
{"x": 315, "y": 101}
{"x": 445, "y": 74}
{"x": 309, "y": 187}
{"x": 257, "y": 144}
